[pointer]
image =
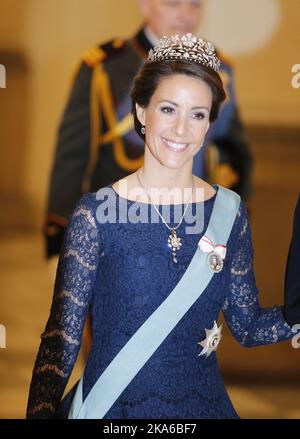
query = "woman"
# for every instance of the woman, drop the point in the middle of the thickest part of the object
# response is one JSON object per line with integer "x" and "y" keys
{"x": 155, "y": 288}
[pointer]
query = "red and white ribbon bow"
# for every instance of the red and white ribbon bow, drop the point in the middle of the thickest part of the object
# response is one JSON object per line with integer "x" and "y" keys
{"x": 207, "y": 246}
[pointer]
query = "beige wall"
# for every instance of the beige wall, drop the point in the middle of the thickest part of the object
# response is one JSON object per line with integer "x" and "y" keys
{"x": 49, "y": 35}
{"x": 264, "y": 77}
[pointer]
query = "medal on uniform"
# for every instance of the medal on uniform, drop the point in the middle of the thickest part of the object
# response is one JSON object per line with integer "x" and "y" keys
{"x": 216, "y": 253}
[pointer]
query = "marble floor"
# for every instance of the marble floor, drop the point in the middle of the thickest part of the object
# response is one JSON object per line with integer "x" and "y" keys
{"x": 26, "y": 282}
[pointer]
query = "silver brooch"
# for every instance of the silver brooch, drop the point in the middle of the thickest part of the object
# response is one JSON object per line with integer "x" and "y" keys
{"x": 210, "y": 343}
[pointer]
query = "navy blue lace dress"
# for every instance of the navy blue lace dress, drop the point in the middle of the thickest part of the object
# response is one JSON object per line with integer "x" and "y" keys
{"x": 121, "y": 272}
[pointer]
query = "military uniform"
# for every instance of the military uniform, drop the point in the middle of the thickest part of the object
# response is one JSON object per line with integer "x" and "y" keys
{"x": 97, "y": 144}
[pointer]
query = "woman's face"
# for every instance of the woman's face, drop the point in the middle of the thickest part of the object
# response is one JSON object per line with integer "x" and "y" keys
{"x": 176, "y": 119}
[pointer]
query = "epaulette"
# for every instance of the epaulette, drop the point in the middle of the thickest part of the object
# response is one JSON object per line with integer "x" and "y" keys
{"x": 96, "y": 55}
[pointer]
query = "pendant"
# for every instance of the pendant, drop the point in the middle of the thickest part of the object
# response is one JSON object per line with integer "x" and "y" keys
{"x": 175, "y": 243}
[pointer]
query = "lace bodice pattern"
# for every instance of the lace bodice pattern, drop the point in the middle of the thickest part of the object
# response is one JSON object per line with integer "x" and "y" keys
{"x": 122, "y": 273}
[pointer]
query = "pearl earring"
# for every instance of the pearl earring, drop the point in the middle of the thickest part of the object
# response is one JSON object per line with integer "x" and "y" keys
{"x": 143, "y": 130}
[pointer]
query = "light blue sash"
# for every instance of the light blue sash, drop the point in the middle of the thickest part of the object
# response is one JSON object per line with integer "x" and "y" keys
{"x": 132, "y": 357}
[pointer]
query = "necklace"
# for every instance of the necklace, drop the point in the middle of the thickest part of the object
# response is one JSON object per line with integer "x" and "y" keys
{"x": 174, "y": 241}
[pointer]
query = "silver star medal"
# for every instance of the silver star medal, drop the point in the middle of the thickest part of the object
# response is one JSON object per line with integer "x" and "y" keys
{"x": 213, "y": 337}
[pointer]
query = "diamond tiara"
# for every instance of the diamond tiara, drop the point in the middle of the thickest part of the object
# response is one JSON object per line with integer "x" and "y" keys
{"x": 187, "y": 47}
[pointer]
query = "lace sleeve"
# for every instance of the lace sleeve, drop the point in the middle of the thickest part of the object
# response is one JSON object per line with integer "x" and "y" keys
{"x": 73, "y": 290}
{"x": 250, "y": 324}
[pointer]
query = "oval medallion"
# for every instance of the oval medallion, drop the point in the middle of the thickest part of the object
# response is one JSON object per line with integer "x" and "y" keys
{"x": 215, "y": 262}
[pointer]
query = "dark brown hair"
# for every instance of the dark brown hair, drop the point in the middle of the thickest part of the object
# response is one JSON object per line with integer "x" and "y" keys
{"x": 150, "y": 74}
